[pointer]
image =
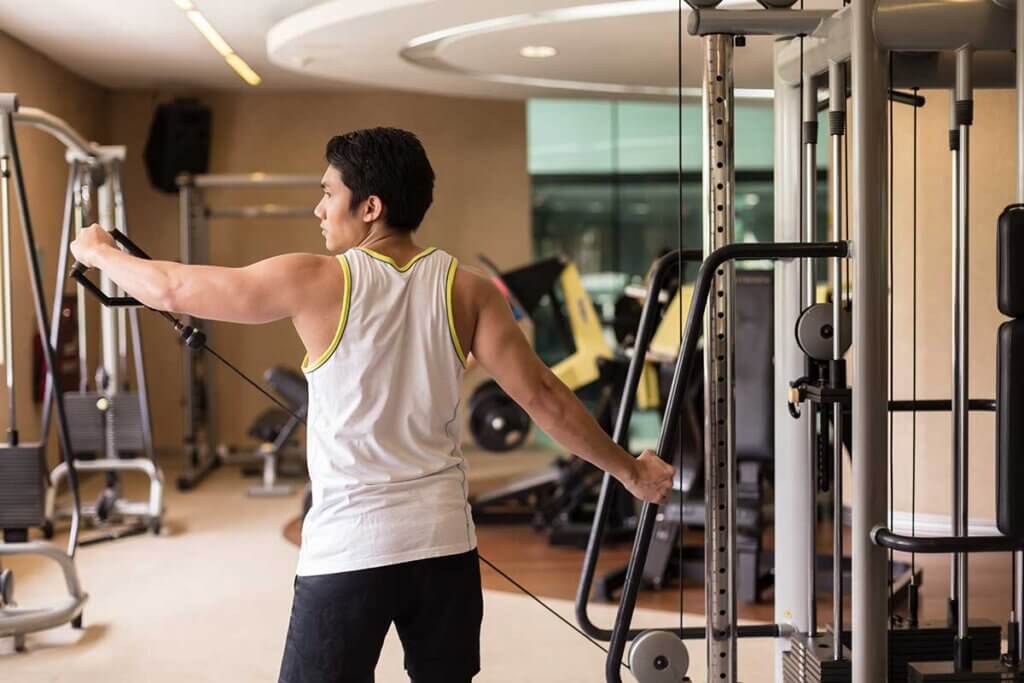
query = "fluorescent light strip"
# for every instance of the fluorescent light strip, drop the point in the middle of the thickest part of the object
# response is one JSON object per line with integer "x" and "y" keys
{"x": 203, "y": 25}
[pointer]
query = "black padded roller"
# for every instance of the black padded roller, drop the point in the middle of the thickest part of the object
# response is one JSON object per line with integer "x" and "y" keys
{"x": 1010, "y": 428}
{"x": 1010, "y": 261}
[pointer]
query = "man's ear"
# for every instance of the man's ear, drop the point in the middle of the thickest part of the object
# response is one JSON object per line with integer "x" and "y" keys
{"x": 373, "y": 209}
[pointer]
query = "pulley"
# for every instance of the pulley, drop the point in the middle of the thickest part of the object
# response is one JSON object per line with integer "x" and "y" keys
{"x": 659, "y": 657}
{"x": 815, "y": 331}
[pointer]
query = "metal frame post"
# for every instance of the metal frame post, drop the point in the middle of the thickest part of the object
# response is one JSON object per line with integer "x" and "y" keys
{"x": 809, "y": 197}
{"x": 837, "y": 131}
{"x": 964, "y": 104}
{"x": 719, "y": 422}
{"x": 871, "y": 339}
{"x": 793, "y": 453}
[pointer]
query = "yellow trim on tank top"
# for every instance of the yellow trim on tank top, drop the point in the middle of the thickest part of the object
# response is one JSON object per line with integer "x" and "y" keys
{"x": 391, "y": 262}
{"x": 449, "y": 281}
{"x": 346, "y": 276}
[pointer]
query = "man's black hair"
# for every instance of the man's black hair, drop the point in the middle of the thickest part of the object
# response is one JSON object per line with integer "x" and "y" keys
{"x": 390, "y": 163}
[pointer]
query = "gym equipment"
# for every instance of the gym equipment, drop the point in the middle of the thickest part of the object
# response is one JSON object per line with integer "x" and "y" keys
{"x": 754, "y": 454}
{"x": 23, "y": 464}
{"x": 275, "y": 428}
{"x": 111, "y": 428}
{"x": 201, "y": 448}
{"x": 496, "y": 422}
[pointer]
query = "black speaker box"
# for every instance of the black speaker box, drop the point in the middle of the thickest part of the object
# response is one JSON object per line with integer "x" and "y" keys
{"x": 178, "y": 142}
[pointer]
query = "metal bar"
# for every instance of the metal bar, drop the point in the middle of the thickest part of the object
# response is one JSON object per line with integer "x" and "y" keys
{"x": 58, "y": 291}
{"x": 870, "y": 339}
{"x": 837, "y": 130}
{"x": 790, "y": 494}
{"x": 964, "y": 103}
{"x": 925, "y": 25}
{"x": 649, "y": 319}
{"x": 809, "y": 196}
{"x": 82, "y": 209}
{"x": 253, "y": 180}
{"x": 58, "y": 128}
{"x": 684, "y": 364}
{"x": 954, "y": 148}
{"x": 987, "y": 405}
{"x": 264, "y": 211}
{"x": 992, "y": 69}
{"x": 719, "y": 420}
{"x": 5, "y": 263}
{"x": 959, "y": 545}
{"x": 759, "y": 22}
{"x": 120, "y": 223}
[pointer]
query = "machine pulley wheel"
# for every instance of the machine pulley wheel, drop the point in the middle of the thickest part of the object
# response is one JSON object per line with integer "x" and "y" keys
{"x": 658, "y": 657}
{"x": 815, "y": 331}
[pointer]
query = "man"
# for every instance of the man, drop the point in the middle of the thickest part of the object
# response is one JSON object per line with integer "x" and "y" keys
{"x": 388, "y": 328}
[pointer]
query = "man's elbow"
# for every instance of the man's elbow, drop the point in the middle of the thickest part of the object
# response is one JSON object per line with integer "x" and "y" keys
{"x": 546, "y": 402}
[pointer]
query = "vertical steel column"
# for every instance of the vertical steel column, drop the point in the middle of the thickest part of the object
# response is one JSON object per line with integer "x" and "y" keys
{"x": 109, "y": 320}
{"x": 7, "y": 352}
{"x": 809, "y": 132}
{"x": 120, "y": 222}
{"x": 186, "y": 209}
{"x": 871, "y": 341}
{"x": 961, "y": 343}
{"x": 837, "y": 130}
{"x": 954, "y": 313}
{"x": 83, "y": 204}
{"x": 792, "y": 450}
{"x": 719, "y": 429}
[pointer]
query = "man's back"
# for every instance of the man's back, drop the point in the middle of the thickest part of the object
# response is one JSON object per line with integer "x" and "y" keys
{"x": 388, "y": 476}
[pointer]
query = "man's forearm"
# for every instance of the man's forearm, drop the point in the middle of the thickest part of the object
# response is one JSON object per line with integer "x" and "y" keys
{"x": 150, "y": 282}
{"x": 562, "y": 416}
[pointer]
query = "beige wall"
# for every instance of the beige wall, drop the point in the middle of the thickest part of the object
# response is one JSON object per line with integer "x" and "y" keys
{"x": 477, "y": 148}
{"x": 42, "y": 84}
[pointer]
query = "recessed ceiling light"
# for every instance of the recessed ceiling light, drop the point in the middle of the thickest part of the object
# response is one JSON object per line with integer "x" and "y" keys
{"x": 538, "y": 51}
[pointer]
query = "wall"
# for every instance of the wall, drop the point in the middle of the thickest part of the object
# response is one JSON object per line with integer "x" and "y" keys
{"x": 481, "y": 204}
{"x": 42, "y": 84}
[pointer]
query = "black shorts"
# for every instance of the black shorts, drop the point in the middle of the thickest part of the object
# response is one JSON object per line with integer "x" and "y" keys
{"x": 339, "y": 621}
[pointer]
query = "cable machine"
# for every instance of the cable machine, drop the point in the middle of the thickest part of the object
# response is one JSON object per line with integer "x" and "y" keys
{"x": 111, "y": 427}
{"x": 23, "y": 478}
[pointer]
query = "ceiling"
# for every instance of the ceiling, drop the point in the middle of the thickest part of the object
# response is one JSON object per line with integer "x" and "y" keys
{"x": 454, "y": 47}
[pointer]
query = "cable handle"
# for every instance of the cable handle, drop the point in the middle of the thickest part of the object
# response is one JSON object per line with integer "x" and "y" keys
{"x": 78, "y": 274}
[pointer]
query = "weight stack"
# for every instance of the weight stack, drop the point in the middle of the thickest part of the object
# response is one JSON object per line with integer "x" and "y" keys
{"x": 809, "y": 660}
{"x": 22, "y": 487}
{"x": 932, "y": 643}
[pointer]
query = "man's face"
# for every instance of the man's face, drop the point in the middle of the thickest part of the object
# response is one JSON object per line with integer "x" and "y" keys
{"x": 342, "y": 228}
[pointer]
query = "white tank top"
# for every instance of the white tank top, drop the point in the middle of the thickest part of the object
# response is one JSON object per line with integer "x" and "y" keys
{"x": 387, "y": 471}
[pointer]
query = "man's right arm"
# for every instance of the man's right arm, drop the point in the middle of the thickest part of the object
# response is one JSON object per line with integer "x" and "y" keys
{"x": 503, "y": 351}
